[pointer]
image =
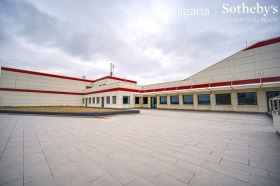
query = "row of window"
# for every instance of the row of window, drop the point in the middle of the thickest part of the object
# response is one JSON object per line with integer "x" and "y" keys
{"x": 249, "y": 98}
{"x": 97, "y": 100}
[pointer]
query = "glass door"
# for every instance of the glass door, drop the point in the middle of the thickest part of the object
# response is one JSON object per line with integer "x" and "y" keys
{"x": 102, "y": 101}
{"x": 153, "y": 102}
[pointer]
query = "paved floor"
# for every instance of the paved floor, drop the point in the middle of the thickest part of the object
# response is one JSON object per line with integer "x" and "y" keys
{"x": 154, "y": 148}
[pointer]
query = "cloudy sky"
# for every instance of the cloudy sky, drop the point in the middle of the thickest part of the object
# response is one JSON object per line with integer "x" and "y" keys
{"x": 149, "y": 41}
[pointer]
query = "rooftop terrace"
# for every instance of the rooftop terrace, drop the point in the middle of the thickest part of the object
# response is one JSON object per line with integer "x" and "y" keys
{"x": 157, "y": 147}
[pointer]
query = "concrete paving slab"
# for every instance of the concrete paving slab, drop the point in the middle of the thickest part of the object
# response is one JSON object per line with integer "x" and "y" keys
{"x": 157, "y": 147}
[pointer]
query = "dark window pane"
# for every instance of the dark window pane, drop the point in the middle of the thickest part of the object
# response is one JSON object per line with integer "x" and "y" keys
{"x": 126, "y": 100}
{"x": 249, "y": 98}
{"x": 223, "y": 99}
{"x": 93, "y": 100}
{"x": 174, "y": 99}
{"x": 204, "y": 99}
{"x": 108, "y": 99}
{"x": 188, "y": 99}
{"x": 114, "y": 99}
{"x": 145, "y": 100}
{"x": 137, "y": 100}
{"x": 89, "y": 101}
{"x": 163, "y": 99}
{"x": 98, "y": 99}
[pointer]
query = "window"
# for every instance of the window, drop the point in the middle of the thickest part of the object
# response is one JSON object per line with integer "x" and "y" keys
{"x": 114, "y": 99}
{"x": 83, "y": 100}
{"x": 108, "y": 99}
{"x": 204, "y": 99}
{"x": 174, "y": 99}
{"x": 126, "y": 100}
{"x": 249, "y": 98}
{"x": 223, "y": 99}
{"x": 188, "y": 99}
{"x": 145, "y": 100}
{"x": 93, "y": 100}
{"x": 89, "y": 100}
{"x": 163, "y": 99}
{"x": 137, "y": 100}
{"x": 98, "y": 100}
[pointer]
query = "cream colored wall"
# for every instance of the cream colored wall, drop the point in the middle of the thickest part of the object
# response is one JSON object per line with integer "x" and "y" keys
{"x": 260, "y": 107}
{"x": 18, "y": 80}
{"x": 12, "y": 98}
{"x": 119, "y": 101}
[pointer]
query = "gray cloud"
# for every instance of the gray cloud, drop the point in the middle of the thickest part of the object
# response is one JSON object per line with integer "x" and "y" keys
{"x": 81, "y": 38}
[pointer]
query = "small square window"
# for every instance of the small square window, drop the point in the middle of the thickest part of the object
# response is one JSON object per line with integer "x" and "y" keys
{"x": 174, "y": 99}
{"x": 145, "y": 100}
{"x": 188, "y": 99}
{"x": 223, "y": 99}
{"x": 163, "y": 99}
{"x": 126, "y": 100}
{"x": 137, "y": 100}
{"x": 204, "y": 99}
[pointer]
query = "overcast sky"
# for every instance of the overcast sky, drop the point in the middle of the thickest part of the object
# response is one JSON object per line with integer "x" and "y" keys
{"x": 149, "y": 41}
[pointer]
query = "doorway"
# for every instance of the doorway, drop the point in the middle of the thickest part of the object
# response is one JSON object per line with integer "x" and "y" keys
{"x": 153, "y": 102}
{"x": 102, "y": 101}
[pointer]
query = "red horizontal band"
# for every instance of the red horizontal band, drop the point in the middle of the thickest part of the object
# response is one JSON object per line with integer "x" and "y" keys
{"x": 111, "y": 90}
{"x": 115, "y": 78}
{"x": 64, "y": 77}
{"x": 264, "y": 43}
{"x": 220, "y": 84}
{"x": 43, "y": 74}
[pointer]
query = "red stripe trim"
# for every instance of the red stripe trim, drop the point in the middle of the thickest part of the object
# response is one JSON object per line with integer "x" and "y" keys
{"x": 248, "y": 81}
{"x": 112, "y": 90}
{"x": 115, "y": 78}
{"x": 264, "y": 43}
{"x": 64, "y": 77}
{"x": 43, "y": 74}
{"x": 220, "y": 84}
{"x": 270, "y": 79}
{"x": 240, "y": 82}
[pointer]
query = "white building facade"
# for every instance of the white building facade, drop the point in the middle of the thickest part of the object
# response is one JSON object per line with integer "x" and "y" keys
{"x": 242, "y": 82}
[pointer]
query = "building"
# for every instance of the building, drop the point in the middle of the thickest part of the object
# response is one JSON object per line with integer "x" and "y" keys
{"x": 242, "y": 82}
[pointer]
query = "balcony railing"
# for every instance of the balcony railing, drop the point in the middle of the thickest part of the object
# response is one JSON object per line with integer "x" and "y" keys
{"x": 275, "y": 111}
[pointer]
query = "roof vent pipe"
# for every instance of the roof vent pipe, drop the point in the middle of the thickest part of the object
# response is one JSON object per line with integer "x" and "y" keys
{"x": 111, "y": 69}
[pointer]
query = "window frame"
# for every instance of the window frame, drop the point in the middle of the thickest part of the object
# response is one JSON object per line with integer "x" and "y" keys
{"x": 128, "y": 99}
{"x": 223, "y": 103}
{"x": 198, "y": 101}
{"x": 147, "y": 99}
{"x": 114, "y": 99}
{"x": 139, "y": 100}
{"x": 239, "y": 101}
{"x": 174, "y": 103}
{"x": 108, "y": 100}
{"x": 160, "y": 99}
{"x": 185, "y": 102}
